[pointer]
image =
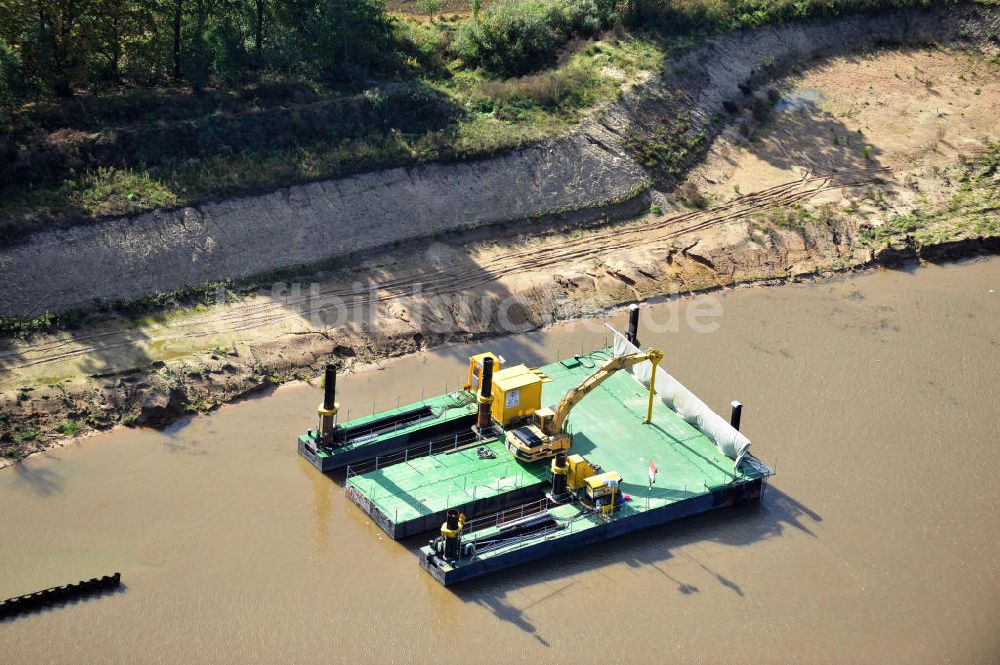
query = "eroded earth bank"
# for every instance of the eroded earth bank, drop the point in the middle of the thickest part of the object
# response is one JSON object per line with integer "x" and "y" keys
{"x": 797, "y": 156}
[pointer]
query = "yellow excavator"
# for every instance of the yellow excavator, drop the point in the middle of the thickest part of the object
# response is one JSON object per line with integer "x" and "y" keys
{"x": 544, "y": 436}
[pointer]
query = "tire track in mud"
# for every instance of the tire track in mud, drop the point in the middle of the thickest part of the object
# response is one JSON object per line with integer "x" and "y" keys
{"x": 251, "y": 314}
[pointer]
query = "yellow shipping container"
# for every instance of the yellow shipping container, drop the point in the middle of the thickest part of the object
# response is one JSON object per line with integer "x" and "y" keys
{"x": 517, "y": 393}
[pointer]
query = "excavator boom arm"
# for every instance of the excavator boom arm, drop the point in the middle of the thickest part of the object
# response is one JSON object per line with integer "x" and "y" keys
{"x": 599, "y": 376}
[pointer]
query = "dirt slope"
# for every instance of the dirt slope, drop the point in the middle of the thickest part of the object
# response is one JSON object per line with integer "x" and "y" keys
{"x": 653, "y": 134}
{"x": 793, "y": 191}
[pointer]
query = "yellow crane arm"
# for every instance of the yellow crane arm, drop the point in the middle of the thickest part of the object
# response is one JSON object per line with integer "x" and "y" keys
{"x": 599, "y": 376}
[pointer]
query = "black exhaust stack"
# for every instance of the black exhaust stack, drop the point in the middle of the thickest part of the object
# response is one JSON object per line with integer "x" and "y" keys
{"x": 330, "y": 387}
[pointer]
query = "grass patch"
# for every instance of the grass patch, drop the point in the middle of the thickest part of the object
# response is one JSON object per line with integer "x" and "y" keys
{"x": 24, "y": 436}
{"x": 68, "y": 428}
{"x": 566, "y": 88}
{"x": 115, "y": 191}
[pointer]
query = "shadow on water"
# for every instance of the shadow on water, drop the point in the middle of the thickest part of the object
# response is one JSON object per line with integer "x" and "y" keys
{"x": 43, "y": 480}
{"x": 173, "y": 440}
{"x": 651, "y": 549}
{"x": 506, "y": 612}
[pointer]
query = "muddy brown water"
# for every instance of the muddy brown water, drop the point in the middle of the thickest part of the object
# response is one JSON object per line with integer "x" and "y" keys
{"x": 876, "y": 397}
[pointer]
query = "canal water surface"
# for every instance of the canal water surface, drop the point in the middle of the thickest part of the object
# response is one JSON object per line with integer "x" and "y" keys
{"x": 875, "y": 396}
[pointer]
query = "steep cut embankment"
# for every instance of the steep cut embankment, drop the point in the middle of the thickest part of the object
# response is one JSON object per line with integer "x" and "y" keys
{"x": 866, "y": 158}
{"x": 598, "y": 164}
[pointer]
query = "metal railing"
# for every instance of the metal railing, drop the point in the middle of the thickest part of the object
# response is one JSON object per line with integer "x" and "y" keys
{"x": 557, "y": 355}
{"x": 506, "y": 516}
{"x": 402, "y": 423}
{"x": 500, "y": 542}
{"x": 375, "y": 432}
{"x": 367, "y": 489}
{"x": 757, "y": 465}
{"x": 432, "y": 447}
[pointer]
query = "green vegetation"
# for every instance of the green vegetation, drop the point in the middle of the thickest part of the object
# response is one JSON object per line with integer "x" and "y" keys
{"x": 117, "y": 107}
{"x": 17, "y": 444}
{"x": 430, "y": 6}
{"x": 68, "y": 428}
{"x": 61, "y": 46}
{"x": 515, "y": 37}
{"x": 711, "y": 16}
{"x": 974, "y": 209}
{"x": 667, "y": 147}
{"x": 798, "y": 219}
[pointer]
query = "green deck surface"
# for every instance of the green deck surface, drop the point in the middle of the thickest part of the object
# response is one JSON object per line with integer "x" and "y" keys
{"x": 427, "y": 485}
{"x": 608, "y": 430}
{"x": 448, "y": 406}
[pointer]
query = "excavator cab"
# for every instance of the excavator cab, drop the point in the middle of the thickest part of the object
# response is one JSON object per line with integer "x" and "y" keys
{"x": 542, "y": 418}
{"x": 533, "y": 442}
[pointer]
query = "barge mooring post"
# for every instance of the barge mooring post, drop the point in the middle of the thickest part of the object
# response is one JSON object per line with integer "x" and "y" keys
{"x": 560, "y": 473}
{"x": 485, "y": 397}
{"x": 734, "y": 416}
{"x": 633, "y": 324}
{"x": 450, "y": 533}
{"x": 328, "y": 409}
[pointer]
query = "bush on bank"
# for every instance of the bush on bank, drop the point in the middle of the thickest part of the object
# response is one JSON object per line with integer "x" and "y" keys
{"x": 515, "y": 37}
{"x": 708, "y": 16}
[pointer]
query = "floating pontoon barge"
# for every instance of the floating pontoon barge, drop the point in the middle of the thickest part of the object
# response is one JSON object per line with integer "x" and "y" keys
{"x": 413, "y": 496}
{"x": 439, "y": 419}
{"x": 495, "y": 511}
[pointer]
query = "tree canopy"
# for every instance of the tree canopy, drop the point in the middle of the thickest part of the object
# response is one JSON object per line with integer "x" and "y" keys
{"x": 60, "y": 46}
